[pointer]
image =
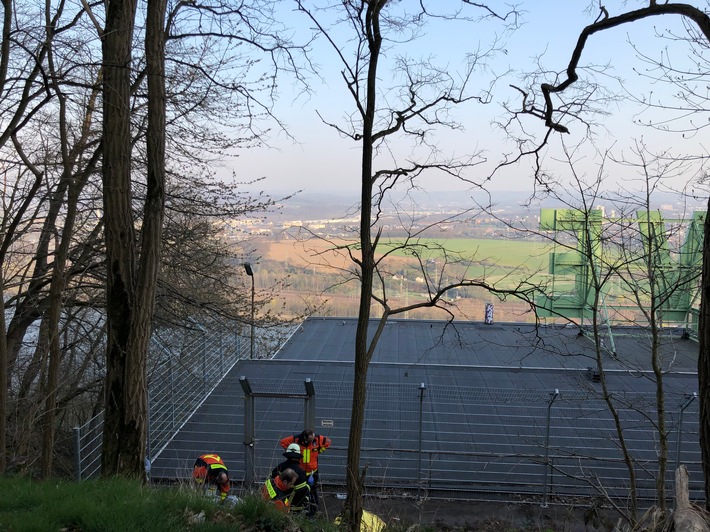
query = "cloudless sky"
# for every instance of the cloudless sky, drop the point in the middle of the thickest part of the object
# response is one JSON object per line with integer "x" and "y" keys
{"x": 320, "y": 160}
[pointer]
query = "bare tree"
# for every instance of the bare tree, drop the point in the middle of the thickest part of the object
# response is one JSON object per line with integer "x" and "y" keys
{"x": 24, "y": 92}
{"x": 52, "y": 150}
{"x": 608, "y": 240}
{"x": 555, "y": 116}
{"x": 663, "y": 289}
{"x": 581, "y": 231}
{"x": 420, "y": 106}
{"x": 133, "y": 269}
{"x": 123, "y": 447}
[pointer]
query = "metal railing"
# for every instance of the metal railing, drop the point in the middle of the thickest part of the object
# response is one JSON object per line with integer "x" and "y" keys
{"x": 450, "y": 441}
{"x": 185, "y": 366}
{"x": 87, "y": 447}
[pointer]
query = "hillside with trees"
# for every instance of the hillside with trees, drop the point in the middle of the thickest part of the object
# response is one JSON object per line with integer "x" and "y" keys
{"x": 122, "y": 125}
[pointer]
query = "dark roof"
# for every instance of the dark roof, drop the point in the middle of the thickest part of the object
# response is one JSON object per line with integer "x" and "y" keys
{"x": 478, "y": 394}
{"x": 480, "y": 344}
{"x": 438, "y": 351}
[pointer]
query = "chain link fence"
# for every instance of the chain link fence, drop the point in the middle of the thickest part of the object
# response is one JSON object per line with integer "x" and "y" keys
{"x": 185, "y": 366}
{"x": 449, "y": 442}
{"x": 434, "y": 440}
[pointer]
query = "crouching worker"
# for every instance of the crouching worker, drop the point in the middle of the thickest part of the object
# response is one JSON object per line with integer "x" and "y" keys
{"x": 209, "y": 469}
{"x": 278, "y": 490}
{"x": 312, "y": 445}
{"x": 300, "y": 496}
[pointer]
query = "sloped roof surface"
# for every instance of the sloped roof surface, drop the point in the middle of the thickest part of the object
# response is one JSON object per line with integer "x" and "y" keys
{"x": 459, "y": 400}
{"x": 496, "y": 356}
{"x": 475, "y": 343}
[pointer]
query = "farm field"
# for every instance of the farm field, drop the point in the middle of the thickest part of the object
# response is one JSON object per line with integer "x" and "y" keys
{"x": 509, "y": 253}
{"x": 321, "y": 280}
{"x": 317, "y": 269}
{"x": 493, "y": 260}
{"x": 506, "y": 254}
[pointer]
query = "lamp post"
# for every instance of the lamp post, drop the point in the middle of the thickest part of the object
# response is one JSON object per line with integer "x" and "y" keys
{"x": 250, "y": 273}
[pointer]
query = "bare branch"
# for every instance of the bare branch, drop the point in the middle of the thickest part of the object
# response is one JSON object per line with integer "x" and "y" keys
{"x": 700, "y": 18}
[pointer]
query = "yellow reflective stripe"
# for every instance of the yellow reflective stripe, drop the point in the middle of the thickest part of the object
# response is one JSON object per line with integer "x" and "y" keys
{"x": 270, "y": 489}
{"x": 295, "y": 490}
{"x": 306, "y": 455}
{"x": 217, "y": 466}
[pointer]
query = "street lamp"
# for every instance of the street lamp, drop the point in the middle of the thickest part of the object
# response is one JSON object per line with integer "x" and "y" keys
{"x": 250, "y": 273}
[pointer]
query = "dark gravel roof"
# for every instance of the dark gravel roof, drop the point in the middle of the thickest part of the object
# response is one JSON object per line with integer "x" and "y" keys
{"x": 483, "y": 412}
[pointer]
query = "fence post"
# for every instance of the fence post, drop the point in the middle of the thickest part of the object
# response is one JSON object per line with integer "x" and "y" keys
{"x": 203, "y": 346}
{"x": 171, "y": 383}
{"x": 147, "y": 457}
{"x": 310, "y": 404}
{"x": 547, "y": 446}
{"x": 248, "y": 431}
{"x": 77, "y": 453}
{"x": 422, "y": 388}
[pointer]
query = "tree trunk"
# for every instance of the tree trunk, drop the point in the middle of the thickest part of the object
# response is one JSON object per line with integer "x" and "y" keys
{"x": 3, "y": 386}
{"x": 74, "y": 184}
{"x": 685, "y": 517}
{"x": 355, "y": 480}
{"x": 131, "y": 288}
{"x": 660, "y": 414}
{"x": 125, "y": 417}
{"x": 4, "y": 359}
{"x": 154, "y": 207}
{"x": 704, "y": 359}
{"x": 363, "y": 352}
{"x": 56, "y": 290}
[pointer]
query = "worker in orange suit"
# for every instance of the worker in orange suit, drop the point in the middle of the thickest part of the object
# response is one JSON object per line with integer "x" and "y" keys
{"x": 311, "y": 445}
{"x": 279, "y": 489}
{"x": 210, "y": 469}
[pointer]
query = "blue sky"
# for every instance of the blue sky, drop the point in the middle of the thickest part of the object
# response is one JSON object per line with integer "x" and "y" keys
{"x": 322, "y": 161}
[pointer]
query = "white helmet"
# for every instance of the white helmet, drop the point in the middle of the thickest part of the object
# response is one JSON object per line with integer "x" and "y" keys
{"x": 293, "y": 448}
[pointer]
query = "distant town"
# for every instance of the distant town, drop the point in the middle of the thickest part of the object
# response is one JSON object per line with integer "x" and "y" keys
{"x": 430, "y": 214}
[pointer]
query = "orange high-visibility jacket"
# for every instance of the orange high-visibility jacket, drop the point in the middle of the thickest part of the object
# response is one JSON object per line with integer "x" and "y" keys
{"x": 206, "y": 469}
{"x": 275, "y": 491}
{"x": 309, "y": 453}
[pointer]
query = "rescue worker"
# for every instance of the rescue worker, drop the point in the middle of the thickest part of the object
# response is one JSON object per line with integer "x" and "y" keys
{"x": 311, "y": 445}
{"x": 300, "y": 497}
{"x": 210, "y": 469}
{"x": 277, "y": 490}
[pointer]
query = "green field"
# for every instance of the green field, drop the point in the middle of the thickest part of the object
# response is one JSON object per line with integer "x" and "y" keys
{"x": 478, "y": 258}
{"x": 507, "y": 253}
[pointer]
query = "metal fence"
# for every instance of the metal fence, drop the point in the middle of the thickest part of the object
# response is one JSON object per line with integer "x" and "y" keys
{"x": 449, "y": 441}
{"x": 87, "y": 448}
{"x": 432, "y": 439}
{"x": 185, "y": 366}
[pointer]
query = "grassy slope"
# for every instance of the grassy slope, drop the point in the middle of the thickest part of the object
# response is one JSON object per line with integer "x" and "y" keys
{"x": 119, "y": 505}
{"x": 122, "y": 505}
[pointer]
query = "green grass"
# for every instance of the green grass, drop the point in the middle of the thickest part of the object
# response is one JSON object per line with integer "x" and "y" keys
{"x": 122, "y": 505}
{"x": 500, "y": 262}
{"x": 126, "y": 506}
{"x": 504, "y": 253}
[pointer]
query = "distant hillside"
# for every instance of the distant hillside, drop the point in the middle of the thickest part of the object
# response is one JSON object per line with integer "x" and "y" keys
{"x": 308, "y": 205}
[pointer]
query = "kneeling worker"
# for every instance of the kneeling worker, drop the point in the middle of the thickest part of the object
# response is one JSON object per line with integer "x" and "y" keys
{"x": 277, "y": 490}
{"x": 300, "y": 496}
{"x": 210, "y": 469}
